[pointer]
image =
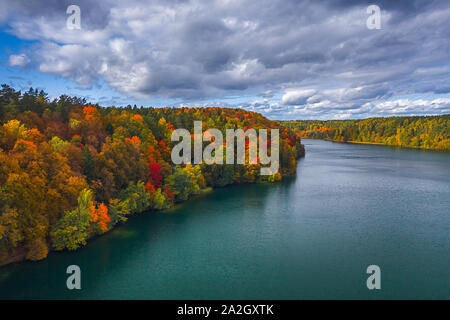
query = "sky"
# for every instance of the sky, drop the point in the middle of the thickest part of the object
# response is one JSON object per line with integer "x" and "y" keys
{"x": 285, "y": 59}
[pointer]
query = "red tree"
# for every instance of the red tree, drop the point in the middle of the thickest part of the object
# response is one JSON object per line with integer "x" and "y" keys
{"x": 155, "y": 175}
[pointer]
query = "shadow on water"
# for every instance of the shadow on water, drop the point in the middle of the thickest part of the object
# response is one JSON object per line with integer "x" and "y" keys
{"x": 125, "y": 245}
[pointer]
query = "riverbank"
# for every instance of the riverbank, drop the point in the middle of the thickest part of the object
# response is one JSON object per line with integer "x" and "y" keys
{"x": 19, "y": 254}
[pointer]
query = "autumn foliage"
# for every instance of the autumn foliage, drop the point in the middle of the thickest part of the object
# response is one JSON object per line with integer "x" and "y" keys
{"x": 100, "y": 216}
{"x": 155, "y": 175}
{"x": 71, "y": 170}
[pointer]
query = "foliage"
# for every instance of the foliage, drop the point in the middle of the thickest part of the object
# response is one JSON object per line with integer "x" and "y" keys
{"x": 425, "y": 132}
{"x": 184, "y": 182}
{"x": 119, "y": 210}
{"x": 136, "y": 196}
{"x": 100, "y": 217}
{"x": 71, "y": 170}
{"x": 72, "y": 229}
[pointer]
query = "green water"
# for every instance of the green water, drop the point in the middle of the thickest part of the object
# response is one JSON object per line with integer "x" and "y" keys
{"x": 312, "y": 236}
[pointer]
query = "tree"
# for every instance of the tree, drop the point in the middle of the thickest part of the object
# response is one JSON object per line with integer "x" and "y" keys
{"x": 155, "y": 175}
{"x": 183, "y": 183}
{"x": 119, "y": 210}
{"x": 138, "y": 199}
{"x": 159, "y": 200}
{"x": 72, "y": 229}
{"x": 100, "y": 217}
{"x": 10, "y": 232}
{"x": 37, "y": 250}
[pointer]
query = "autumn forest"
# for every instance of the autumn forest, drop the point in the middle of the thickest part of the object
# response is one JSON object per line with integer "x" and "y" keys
{"x": 70, "y": 171}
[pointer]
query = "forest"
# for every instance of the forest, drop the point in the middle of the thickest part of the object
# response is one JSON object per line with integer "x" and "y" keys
{"x": 424, "y": 132}
{"x": 70, "y": 171}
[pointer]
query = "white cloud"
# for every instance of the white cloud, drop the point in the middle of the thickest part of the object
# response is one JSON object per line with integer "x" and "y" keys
{"x": 326, "y": 109}
{"x": 299, "y": 96}
{"x": 18, "y": 60}
{"x": 408, "y": 106}
{"x": 318, "y": 55}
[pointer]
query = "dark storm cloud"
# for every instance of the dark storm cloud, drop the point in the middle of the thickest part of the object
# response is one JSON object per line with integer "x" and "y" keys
{"x": 318, "y": 55}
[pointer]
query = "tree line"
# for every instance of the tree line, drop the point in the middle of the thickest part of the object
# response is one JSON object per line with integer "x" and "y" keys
{"x": 425, "y": 132}
{"x": 70, "y": 170}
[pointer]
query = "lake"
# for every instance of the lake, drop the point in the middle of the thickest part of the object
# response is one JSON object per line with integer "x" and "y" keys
{"x": 308, "y": 237}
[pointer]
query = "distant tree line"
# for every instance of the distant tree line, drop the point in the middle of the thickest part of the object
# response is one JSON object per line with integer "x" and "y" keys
{"x": 425, "y": 132}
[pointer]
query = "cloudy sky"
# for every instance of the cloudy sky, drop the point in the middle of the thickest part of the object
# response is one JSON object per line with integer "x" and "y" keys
{"x": 285, "y": 59}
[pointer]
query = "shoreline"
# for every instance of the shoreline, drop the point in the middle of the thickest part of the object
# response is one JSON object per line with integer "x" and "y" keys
{"x": 382, "y": 144}
{"x": 18, "y": 257}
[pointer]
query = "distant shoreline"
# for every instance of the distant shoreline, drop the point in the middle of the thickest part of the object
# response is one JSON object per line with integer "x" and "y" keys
{"x": 379, "y": 144}
{"x": 415, "y": 132}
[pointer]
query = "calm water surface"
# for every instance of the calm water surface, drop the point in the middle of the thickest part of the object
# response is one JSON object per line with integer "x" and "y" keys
{"x": 312, "y": 236}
